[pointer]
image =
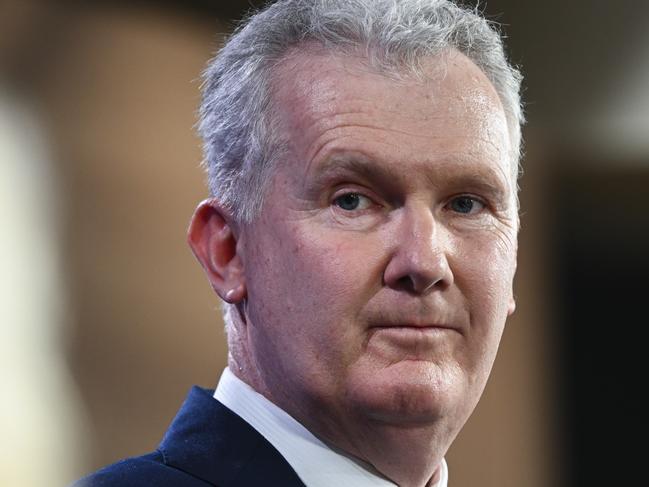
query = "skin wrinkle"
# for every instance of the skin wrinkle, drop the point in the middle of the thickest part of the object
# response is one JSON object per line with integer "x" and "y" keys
{"x": 310, "y": 345}
{"x": 476, "y": 111}
{"x": 483, "y": 178}
{"x": 332, "y": 138}
{"x": 474, "y": 100}
{"x": 386, "y": 49}
{"x": 323, "y": 146}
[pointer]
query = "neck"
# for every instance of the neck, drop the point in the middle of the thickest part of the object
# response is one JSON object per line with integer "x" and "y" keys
{"x": 410, "y": 456}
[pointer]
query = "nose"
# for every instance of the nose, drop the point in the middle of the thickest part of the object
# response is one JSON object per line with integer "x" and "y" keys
{"x": 419, "y": 262}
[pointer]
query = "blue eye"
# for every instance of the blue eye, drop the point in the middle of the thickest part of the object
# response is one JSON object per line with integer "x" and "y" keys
{"x": 352, "y": 201}
{"x": 466, "y": 205}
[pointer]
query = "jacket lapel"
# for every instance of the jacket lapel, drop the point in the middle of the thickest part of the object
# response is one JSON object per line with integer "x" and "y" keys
{"x": 209, "y": 441}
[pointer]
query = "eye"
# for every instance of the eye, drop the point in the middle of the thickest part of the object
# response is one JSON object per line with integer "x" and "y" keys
{"x": 352, "y": 201}
{"x": 466, "y": 205}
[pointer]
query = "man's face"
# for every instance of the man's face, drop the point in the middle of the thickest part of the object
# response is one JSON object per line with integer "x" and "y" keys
{"x": 379, "y": 272}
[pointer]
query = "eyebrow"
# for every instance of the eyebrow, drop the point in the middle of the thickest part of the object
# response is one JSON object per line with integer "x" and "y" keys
{"x": 356, "y": 163}
{"x": 487, "y": 178}
{"x": 476, "y": 176}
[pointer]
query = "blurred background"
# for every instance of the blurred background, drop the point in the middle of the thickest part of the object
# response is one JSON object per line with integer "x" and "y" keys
{"x": 106, "y": 320}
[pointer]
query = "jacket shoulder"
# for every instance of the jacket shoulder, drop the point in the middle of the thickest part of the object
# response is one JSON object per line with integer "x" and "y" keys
{"x": 142, "y": 471}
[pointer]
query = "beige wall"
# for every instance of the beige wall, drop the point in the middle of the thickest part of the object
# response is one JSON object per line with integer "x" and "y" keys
{"x": 146, "y": 327}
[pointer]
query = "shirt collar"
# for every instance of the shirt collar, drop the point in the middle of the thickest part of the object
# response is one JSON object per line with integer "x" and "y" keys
{"x": 315, "y": 463}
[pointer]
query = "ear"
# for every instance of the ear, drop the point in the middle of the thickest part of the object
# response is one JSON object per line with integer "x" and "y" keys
{"x": 214, "y": 243}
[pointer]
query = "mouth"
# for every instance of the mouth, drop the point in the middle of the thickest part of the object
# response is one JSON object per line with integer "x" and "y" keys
{"x": 416, "y": 328}
{"x": 399, "y": 342}
{"x": 408, "y": 333}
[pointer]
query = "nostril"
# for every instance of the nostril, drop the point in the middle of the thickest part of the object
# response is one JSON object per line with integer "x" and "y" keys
{"x": 412, "y": 285}
{"x": 406, "y": 284}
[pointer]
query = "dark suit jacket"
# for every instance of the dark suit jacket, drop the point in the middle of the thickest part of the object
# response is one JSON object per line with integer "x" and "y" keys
{"x": 206, "y": 444}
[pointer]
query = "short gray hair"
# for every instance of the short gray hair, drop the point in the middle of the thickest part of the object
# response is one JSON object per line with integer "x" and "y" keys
{"x": 240, "y": 149}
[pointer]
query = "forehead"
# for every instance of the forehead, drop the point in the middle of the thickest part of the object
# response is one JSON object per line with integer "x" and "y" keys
{"x": 449, "y": 109}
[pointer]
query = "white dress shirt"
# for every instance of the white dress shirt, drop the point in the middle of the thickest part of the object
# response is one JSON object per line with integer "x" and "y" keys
{"x": 315, "y": 463}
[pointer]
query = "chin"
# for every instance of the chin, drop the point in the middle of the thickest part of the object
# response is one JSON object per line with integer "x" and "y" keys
{"x": 410, "y": 392}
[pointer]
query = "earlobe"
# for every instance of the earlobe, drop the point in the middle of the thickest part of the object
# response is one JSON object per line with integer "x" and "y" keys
{"x": 214, "y": 243}
{"x": 512, "y": 306}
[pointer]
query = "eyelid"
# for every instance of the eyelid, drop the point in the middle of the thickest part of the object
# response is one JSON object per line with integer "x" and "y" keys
{"x": 343, "y": 189}
{"x": 476, "y": 198}
{"x": 369, "y": 204}
{"x": 360, "y": 195}
{"x": 473, "y": 196}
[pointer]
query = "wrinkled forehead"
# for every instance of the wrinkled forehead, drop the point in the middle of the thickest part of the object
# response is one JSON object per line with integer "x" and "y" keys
{"x": 313, "y": 73}
{"x": 311, "y": 87}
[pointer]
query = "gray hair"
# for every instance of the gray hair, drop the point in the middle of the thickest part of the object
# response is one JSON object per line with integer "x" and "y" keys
{"x": 240, "y": 149}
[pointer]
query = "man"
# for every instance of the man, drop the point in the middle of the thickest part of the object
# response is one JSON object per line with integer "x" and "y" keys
{"x": 363, "y": 160}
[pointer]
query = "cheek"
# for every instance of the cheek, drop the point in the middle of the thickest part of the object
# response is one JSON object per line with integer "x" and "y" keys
{"x": 341, "y": 269}
{"x": 308, "y": 289}
{"x": 484, "y": 279}
{"x": 312, "y": 282}
{"x": 484, "y": 273}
